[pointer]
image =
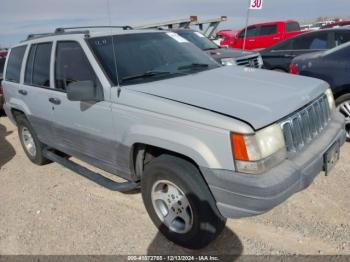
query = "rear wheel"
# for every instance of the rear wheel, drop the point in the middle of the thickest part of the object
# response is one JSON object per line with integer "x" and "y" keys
{"x": 343, "y": 105}
{"x": 180, "y": 203}
{"x": 30, "y": 142}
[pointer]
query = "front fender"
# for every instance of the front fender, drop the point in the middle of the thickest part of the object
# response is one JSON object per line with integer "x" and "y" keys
{"x": 178, "y": 142}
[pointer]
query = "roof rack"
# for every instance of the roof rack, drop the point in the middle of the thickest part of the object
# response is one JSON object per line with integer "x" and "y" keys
{"x": 61, "y": 30}
{"x": 35, "y": 36}
{"x": 179, "y": 23}
{"x": 208, "y": 27}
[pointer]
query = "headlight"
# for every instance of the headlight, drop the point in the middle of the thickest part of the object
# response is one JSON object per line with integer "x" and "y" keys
{"x": 260, "y": 61}
{"x": 228, "y": 61}
{"x": 254, "y": 154}
{"x": 330, "y": 98}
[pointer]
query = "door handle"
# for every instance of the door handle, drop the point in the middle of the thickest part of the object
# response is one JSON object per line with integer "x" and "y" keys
{"x": 22, "y": 92}
{"x": 54, "y": 101}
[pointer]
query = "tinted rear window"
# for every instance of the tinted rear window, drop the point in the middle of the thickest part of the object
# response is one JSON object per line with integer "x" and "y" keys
{"x": 14, "y": 64}
{"x": 268, "y": 30}
{"x": 38, "y": 65}
{"x": 292, "y": 27}
{"x": 2, "y": 64}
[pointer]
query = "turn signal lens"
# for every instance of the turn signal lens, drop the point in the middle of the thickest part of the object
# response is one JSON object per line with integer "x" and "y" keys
{"x": 239, "y": 147}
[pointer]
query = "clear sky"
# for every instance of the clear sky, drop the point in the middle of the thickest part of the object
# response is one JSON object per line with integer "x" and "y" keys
{"x": 21, "y": 17}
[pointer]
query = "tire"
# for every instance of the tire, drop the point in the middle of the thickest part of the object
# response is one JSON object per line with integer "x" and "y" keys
{"x": 206, "y": 221}
{"x": 341, "y": 101}
{"x": 24, "y": 128}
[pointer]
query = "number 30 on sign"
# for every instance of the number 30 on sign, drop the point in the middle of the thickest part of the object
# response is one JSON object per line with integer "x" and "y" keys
{"x": 256, "y": 4}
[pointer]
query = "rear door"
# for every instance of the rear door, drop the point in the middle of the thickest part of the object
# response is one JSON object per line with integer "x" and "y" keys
{"x": 268, "y": 35}
{"x": 83, "y": 129}
{"x": 36, "y": 90}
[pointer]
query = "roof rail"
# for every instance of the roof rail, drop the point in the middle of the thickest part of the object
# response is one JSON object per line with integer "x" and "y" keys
{"x": 35, "y": 36}
{"x": 66, "y": 30}
{"x": 61, "y": 30}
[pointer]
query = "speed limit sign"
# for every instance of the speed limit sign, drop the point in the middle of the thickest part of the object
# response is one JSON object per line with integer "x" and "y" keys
{"x": 256, "y": 4}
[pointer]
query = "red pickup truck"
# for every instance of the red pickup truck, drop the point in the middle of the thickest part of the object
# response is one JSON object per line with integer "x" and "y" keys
{"x": 262, "y": 35}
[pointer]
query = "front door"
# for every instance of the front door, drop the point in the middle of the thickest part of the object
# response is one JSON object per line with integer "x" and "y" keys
{"x": 83, "y": 129}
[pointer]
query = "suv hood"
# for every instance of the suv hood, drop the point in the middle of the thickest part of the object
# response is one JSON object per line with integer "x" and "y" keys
{"x": 228, "y": 53}
{"x": 259, "y": 97}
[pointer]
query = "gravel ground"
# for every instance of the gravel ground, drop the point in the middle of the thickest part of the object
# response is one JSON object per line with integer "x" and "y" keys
{"x": 50, "y": 210}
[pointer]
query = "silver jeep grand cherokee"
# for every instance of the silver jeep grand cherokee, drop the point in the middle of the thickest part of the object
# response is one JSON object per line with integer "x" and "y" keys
{"x": 203, "y": 142}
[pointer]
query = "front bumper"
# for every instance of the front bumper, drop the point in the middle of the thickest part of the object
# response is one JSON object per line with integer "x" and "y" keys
{"x": 241, "y": 195}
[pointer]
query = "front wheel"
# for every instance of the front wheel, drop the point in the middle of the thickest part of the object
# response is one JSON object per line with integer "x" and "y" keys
{"x": 180, "y": 203}
{"x": 343, "y": 106}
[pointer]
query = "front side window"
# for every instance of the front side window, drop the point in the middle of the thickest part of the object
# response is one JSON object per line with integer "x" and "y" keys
{"x": 251, "y": 32}
{"x": 38, "y": 65}
{"x": 144, "y": 57}
{"x": 72, "y": 65}
{"x": 268, "y": 30}
{"x": 13, "y": 71}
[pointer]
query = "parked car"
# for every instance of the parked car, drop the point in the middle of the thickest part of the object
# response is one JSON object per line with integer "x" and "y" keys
{"x": 265, "y": 35}
{"x": 336, "y": 24}
{"x": 204, "y": 142}
{"x": 225, "y": 56}
{"x": 279, "y": 57}
{"x": 2, "y": 64}
{"x": 332, "y": 66}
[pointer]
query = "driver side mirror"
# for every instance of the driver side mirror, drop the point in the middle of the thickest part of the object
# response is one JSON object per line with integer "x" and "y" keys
{"x": 84, "y": 91}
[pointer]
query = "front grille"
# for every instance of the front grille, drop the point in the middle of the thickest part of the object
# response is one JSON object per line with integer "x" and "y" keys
{"x": 251, "y": 61}
{"x": 305, "y": 125}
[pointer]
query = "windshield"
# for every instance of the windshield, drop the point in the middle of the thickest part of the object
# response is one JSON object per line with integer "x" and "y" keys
{"x": 144, "y": 57}
{"x": 198, "y": 40}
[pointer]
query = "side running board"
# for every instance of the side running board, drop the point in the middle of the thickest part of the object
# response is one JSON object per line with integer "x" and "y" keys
{"x": 95, "y": 177}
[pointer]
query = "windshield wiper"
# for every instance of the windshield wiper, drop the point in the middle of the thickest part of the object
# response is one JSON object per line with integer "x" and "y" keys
{"x": 147, "y": 74}
{"x": 193, "y": 66}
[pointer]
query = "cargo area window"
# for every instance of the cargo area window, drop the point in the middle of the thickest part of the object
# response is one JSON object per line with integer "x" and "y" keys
{"x": 341, "y": 38}
{"x": 13, "y": 71}
{"x": 292, "y": 27}
{"x": 38, "y": 65}
{"x": 72, "y": 65}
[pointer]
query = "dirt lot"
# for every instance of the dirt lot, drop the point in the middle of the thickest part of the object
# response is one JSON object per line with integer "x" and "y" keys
{"x": 50, "y": 210}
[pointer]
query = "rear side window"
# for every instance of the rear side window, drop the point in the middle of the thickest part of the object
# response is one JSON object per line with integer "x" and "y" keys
{"x": 13, "y": 71}
{"x": 341, "y": 38}
{"x": 72, "y": 65}
{"x": 292, "y": 27}
{"x": 268, "y": 30}
{"x": 2, "y": 64}
{"x": 38, "y": 65}
{"x": 317, "y": 41}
